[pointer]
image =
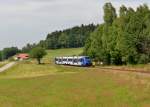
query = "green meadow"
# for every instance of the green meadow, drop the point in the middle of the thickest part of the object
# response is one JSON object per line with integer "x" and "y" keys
{"x": 28, "y": 84}
{"x": 3, "y": 63}
{"x": 63, "y": 52}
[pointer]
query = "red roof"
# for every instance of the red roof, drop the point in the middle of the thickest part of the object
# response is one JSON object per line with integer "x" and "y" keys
{"x": 23, "y": 56}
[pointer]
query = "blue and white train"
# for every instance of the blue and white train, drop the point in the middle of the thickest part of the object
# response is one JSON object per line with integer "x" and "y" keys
{"x": 74, "y": 61}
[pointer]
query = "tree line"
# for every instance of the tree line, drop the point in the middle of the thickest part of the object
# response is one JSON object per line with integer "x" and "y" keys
{"x": 8, "y": 52}
{"x": 69, "y": 38}
{"x": 123, "y": 38}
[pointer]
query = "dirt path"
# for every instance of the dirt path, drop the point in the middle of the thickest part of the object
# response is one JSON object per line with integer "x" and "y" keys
{"x": 7, "y": 66}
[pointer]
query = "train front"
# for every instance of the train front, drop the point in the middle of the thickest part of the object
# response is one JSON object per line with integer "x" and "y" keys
{"x": 87, "y": 61}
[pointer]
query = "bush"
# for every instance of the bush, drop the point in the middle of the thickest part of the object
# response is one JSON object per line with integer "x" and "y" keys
{"x": 144, "y": 59}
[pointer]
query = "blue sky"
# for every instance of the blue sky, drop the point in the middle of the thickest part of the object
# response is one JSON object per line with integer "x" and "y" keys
{"x": 28, "y": 21}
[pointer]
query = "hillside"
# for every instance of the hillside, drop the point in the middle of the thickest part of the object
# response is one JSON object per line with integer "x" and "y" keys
{"x": 30, "y": 85}
{"x": 63, "y": 52}
{"x": 30, "y": 68}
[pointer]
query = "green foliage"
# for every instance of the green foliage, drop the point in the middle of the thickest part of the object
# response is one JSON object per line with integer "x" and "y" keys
{"x": 1, "y": 56}
{"x": 121, "y": 40}
{"x": 38, "y": 53}
{"x": 9, "y": 52}
{"x": 109, "y": 13}
{"x": 70, "y": 38}
{"x": 29, "y": 47}
{"x": 64, "y": 41}
{"x": 143, "y": 59}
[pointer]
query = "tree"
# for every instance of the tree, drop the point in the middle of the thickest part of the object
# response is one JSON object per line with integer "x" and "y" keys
{"x": 9, "y": 52}
{"x": 1, "y": 56}
{"x": 28, "y": 47}
{"x": 64, "y": 41}
{"x": 38, "y": 53}
{"x": 121, "y": 40}
{"x": 109, "y": 13}
{"x": 122, "y": 11}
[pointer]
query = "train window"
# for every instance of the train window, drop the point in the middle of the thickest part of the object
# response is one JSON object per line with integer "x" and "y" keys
{"x": 87, "y": 57}
{"x": 75, "y": 60}
{"x": 80, "y": 60}
{"x": 60, "y": 60}
{"x": 64, "y": 59}
{"x": 70, "y": 60}
{"x": 56, "y": 59}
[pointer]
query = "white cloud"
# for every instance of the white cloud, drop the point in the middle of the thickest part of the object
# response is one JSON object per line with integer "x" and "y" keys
{"x": 23, "y": 21}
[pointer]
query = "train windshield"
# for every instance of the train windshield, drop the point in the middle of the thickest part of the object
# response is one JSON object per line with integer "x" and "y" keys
{"x": 87, "y": 58}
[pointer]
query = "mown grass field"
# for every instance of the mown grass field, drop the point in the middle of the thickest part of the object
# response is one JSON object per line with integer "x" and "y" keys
{"x": 30, "y": 85}
{"x": 63, "y": 52}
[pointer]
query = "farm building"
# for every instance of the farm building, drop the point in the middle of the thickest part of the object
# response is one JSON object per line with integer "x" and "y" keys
{"x": 22, "y": 56}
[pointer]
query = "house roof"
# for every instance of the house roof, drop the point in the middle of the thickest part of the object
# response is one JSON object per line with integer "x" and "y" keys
{"x": 23, "y": 55}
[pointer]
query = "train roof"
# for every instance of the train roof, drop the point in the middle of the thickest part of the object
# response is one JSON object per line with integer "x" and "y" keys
{"x": 72, "y": 57}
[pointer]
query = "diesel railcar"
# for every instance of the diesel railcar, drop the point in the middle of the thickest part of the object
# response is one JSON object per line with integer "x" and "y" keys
{"x": 74, "y": 61}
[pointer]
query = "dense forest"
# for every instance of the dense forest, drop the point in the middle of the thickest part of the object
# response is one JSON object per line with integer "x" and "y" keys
{"x": 123, "y": 38}
{"x": 69, "y": 38}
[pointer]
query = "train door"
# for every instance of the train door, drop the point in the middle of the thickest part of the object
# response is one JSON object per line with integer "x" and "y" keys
{"x": 80, "y": 61}
{"x": 70, "y": 61}
{"x": 75, "y": 61}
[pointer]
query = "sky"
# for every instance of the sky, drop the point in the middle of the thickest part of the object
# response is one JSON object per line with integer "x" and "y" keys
{"x": 29, "y": 21}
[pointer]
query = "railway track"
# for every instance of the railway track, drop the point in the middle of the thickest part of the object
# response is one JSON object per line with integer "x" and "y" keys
{"x": 128, "y": 70}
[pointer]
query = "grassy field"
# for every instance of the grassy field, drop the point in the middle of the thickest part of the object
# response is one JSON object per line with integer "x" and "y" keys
{"x": 3, "y": 63}
{"x": 30, "y": 85}
{"x": 63, "y": 52}
{"x": 31, "y": 68}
